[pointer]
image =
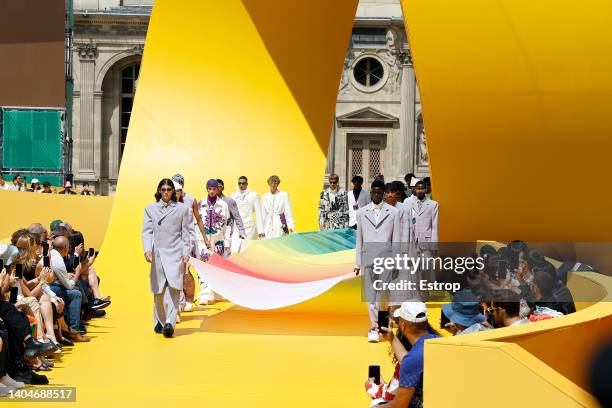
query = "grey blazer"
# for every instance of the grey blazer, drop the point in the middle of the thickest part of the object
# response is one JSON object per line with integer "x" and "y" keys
{"x": 426, "y": 227}
{"x": 375, "y": 237}
{"x": 166, "y": 234}
{"x": 233, "y": 209}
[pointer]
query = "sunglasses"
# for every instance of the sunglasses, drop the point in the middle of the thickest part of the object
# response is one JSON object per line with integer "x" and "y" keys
{"x": 163, "y": 190}
{"x": 333, "y": 182}
{"x": 241, "y": 183}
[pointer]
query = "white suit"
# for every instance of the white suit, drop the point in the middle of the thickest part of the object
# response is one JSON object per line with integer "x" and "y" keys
{"x": 362, "y": 200}
{"x": 272, "y": 206}
{"x": 249, "y": 208}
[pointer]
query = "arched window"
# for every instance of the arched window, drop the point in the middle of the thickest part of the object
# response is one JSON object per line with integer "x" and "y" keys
{"x": 129, "y": 82}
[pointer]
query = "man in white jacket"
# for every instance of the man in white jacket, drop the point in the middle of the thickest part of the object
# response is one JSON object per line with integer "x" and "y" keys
{"x": 249, "y": 208}
{"x": 277, "y": 215}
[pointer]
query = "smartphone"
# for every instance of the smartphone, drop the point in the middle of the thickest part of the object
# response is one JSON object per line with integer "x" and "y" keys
{"x": 97, "y": 253}
{"x": 13, "y": 298}
{"x": 19, "y": 271}
{"x": 46, "y": 261}
{"x": 444, "y": 320}
{"x": 91, "y": 252}
{"x": 374, "y": 373}
{"x": 45, "y": 249}
{"x": 1, "y": 264}
{"x": 383, "y": 318}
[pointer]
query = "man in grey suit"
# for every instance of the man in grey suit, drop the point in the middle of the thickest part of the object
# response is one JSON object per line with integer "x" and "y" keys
{"x": 235, "y": 214}
{"x": 378, "y": 228}
{"x": 424, "y": 216}
{"x": 423, "y": 225}
{"x": 166, "y": 241}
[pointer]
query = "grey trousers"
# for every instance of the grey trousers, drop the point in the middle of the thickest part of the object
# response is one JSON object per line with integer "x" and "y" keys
{"x": 166, "y": 305}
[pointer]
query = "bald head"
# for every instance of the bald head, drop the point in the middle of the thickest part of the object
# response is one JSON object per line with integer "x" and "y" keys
{"x": 61, "y": 245}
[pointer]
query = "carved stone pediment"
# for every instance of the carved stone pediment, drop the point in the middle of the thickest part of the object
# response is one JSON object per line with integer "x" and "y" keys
{"x": 368, "y": 117}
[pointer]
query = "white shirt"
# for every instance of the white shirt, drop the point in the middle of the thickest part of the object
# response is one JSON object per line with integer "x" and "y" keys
{"x": 376, "y": 208}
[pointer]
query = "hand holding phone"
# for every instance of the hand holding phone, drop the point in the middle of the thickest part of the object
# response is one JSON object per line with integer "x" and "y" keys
{"x": 383, "y": 319}
{"x": 13, "y": 297}
{"x": 19, "y": 271}
{"x": 46, "y": 261}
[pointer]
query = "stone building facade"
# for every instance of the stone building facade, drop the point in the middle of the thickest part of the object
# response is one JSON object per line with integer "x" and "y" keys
{"x": 378, "y": 127}
{"x": 109, "y": 38}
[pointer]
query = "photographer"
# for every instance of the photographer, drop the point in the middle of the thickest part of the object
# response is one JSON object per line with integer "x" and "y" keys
{"x": 413, "y": 325}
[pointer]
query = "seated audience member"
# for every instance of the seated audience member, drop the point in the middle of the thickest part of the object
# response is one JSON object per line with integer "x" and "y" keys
{"x": 78, "y": 256}
{"x": 86, "y": 191}
{"x": 414, "y": 326}
{"x": 67, "y": 189}
{"x": 21, "y": 344}
{"x": 3, "y": 185}
{"x": 464, "y": 315}
{"x": 47, "y": 188}
{"x": 35, "y": 186}
{"x": 40, "y": 230}
{"x": 505, "y": 307}
{"x": 63, "y": 286}
{"x": 18, "y": 184}
{"x": 542, "y": 289}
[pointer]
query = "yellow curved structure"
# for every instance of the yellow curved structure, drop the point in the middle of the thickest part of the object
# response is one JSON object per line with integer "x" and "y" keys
{"x": 512, "y": 91}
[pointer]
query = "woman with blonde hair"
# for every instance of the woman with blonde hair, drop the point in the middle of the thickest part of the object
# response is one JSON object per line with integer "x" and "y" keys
{"x": 31, "y": 294}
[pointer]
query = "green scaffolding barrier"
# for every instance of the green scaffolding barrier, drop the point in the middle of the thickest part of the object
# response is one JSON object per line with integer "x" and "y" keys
{"x": 31, "y": 140}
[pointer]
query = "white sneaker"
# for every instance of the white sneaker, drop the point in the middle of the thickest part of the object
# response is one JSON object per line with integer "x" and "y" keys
{"x": 9, "y": 382}
{"x": 373, "y": 336}
{"x": 188, "y": 307}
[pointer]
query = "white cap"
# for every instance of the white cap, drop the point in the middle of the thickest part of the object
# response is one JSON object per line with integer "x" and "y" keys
{"x": 415, "y": 312}
{"x": 413, "y": 181}
{"x": 177, "y": 186}
{"x": 67, "y": 184}
{"x": 34, "y": 180}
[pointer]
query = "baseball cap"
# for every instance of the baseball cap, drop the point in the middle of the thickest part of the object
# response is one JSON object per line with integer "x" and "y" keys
{"x": 415, "y": 312}
{"x": 177, "y": 186}
{"x": 34, "y": 180}
{"x": 54, "y": 224}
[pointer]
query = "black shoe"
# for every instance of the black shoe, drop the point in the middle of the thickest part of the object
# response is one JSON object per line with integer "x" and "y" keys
{"x": 98, "y": 313}
{"x": 158, "y": 328}
{"x": 38, "y": 379}
{"x": 66, "y": 342}
{"x": 26, "y": 375}
{"x": 100, "y": 304}
{"x": 168, "y": 330}
{"x": 35, "y": 348}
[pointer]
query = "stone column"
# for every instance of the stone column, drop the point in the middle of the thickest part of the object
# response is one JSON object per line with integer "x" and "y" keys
{"x": 87, "y": 56}
{"x": 97, "y": 139}
{"x": 407, "y": 120}
{"x": 329, "y": 167}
